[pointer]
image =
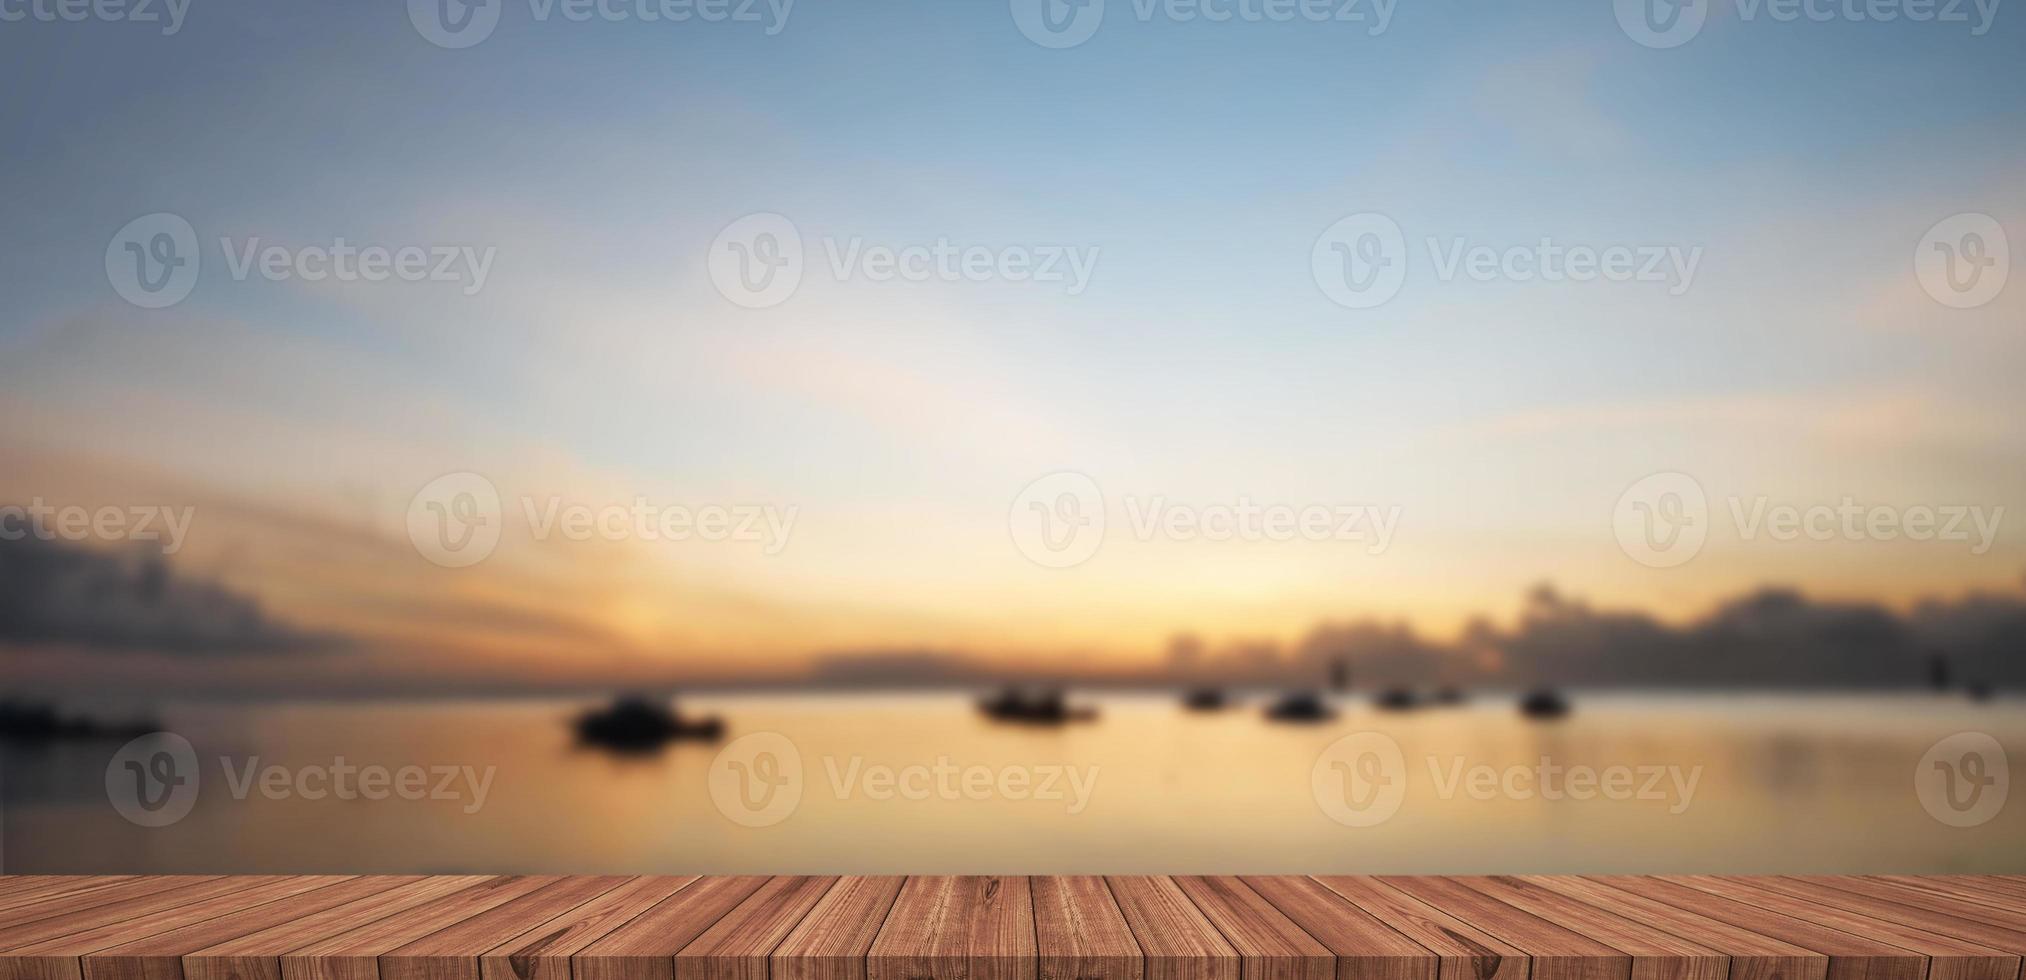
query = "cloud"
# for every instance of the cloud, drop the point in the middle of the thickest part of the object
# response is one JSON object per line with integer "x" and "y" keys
{"x": 60, "y": 595}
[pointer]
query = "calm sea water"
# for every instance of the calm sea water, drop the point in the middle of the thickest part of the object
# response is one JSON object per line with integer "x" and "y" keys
{"x": 922, "y": 783}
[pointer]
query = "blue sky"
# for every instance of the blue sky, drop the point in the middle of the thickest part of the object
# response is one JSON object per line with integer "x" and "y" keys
{"x": 1805, "y": 160}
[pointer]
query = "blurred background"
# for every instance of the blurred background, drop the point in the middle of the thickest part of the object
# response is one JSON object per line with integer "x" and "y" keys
{"x": 1041, "y": 436}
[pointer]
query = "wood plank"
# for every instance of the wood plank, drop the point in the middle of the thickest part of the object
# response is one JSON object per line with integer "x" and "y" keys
{"x": 1940, "y": 899}
{"x": 953, "y": 927}
{"x": 832, "y": 941}
{"x": 355, "y": 954}
{"x": 1557, "y": 953}
{"x": 1912, "y": 912}
{"x": 36, "y": 889}
{"x": 257, "y": 955}
{"x": 645, "y": 947}
{"x": 160, "y": 956}
{"x": 1850, "y": 957}
{"x": 1656, "y": 954}
{"x": 739, "y": 945}
{"x": 1966, "y": 887}
{"x": 1270, "y": 945}
{"x": 1365, "y": 948}
{"x": 1176, "y": 940}
{"x": 62, "y": 957}
{"x": 1752, "y": 956}
{"x": 83, "y": 910}
{"x": 1462, "y": 951}
{"x": 1948, "y": 958}
{"x": 1079, "y": 932}
{"x": 543, "y": 952}
{"x": 452, "y": 953}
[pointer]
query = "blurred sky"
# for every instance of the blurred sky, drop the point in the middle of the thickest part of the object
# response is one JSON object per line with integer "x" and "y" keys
{"x": 1201, "y": 364}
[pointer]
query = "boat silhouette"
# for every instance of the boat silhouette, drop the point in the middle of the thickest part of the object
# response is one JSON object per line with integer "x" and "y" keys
{"x": 1205, "y": 699}
{"x": 1397, "y": 699}
{"x": 634, "y": 723}
{"x": 1300, "y": 706}
{"x": 30, "y": 722}
{"x": 1544, "y": 704}
{"x": 1044, "y": 707}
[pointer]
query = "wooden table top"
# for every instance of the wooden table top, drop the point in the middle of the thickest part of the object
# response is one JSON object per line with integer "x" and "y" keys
{"x": 1274, "y": 927}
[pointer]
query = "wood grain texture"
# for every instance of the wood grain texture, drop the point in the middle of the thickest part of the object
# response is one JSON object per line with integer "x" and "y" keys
{"x": 644, "y": 948}
{"x": 1462, "y": 951}
{"x": 1752, "y": 956}
{"x": 1557, "y": 953}
{"x": 1261, "y": 927}
{"x": 1365, "y": 948}
{"x": 62, "y": 957}
{"x": 37, "y": 889}
{"x": 543, "y": 952}
{"x": 2002, "y": 937}
{"x": 257, "y": 955}
{"x": 1948, "y": 959}
{"x": 953, "y": 927}
{"x": 1175, "y": 939}
{"x": 739, "y": 945}
{"x": 452, "y": 953}
{"x": 1656, "y": 954}
{"x": 1079, "y": 932}
{"x": 75, "y": 911}
{"x": 1939, "y": 899}
{"x": 1270, "y": 945}
{"x": 355, "y": 954}
{"x": 160, "y": 957}
{"x": 1850, "y": 957}
{"x": 831, "y": 942}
